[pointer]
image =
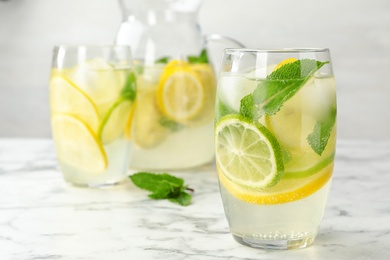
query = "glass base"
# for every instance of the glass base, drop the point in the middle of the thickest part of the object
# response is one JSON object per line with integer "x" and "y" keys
{"x": 96, "y": 185}
{"x": 275, "y": 244}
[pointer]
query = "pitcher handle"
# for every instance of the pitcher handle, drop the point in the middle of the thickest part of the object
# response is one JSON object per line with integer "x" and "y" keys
{"x": 223, "y": 39}
{"x": 216, "y": 53}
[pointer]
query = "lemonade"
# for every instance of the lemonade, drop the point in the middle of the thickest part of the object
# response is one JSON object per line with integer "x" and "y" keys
{"x": 275, "y": 136}
{"x": 91, "y": 103}
{"x": 173, "y": 119}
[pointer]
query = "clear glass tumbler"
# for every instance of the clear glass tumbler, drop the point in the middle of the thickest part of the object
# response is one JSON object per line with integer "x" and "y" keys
{"x": 275, "y": 138}
{"x": 92, "y": 91}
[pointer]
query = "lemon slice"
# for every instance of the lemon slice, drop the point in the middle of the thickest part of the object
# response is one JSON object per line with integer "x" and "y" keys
{"x": 77, "y": 145}
{"x": 180, "y": 93}
{"x": 284, "y": 62}
{"x": 100, "y": 80}
{"x": 287, "y": 190}
{"x": 147, "y": 131}
{"x": 206, "y": 75}
{"x": 114, "y": 122}
{"x": 247, "y": 153}
{"x": 65, "y": 97}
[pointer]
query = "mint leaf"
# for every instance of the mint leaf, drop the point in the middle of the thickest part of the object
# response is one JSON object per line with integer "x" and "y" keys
{"x": 183, "y": 199}
{"x": 224, "y": 109}
{"x": 247, "y": 107}
{"x": 130, "y": 88}
{"x": 202, "y": 58}
{"x": 170, "y": 124}
{"x": 279, "y": 86}
{"x": 318, "y": 139}
{"x": 163, "y": 186}
{"x": 163, "y": 60}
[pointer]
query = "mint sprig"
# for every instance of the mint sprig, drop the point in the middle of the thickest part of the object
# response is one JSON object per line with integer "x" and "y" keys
{"x": 283, "y": 83}
{"x": 170, "y": 124}
{"x": 129, "y": 90}
{"x": 318, "y": 139}
{"x": 279, "y": 86}
{"x": 163, "y": 186}
{"x": 163, "y": 60}
{"x": 192, "y": 59}
{"x": 202, "y": 58}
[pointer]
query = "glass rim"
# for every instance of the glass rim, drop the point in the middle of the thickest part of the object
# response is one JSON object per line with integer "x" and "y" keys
{"x": 91, "y": 46}
{"x": 279, "y": 50}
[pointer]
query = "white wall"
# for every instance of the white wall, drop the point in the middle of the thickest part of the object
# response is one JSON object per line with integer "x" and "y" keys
{"x": 357, "y": 32}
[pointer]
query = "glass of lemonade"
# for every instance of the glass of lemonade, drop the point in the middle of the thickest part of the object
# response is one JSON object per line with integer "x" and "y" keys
{"x": 275, "y": 137}
{"x": 92, "y": 91}
{"x": 174, "y": 114}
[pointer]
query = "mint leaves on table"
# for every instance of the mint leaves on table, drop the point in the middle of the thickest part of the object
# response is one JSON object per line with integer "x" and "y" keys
{"x": 163, "y": 186}
{"x": 272, "y": 92}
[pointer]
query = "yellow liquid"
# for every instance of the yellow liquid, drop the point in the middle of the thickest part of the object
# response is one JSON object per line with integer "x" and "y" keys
{"x": 160, "y": 142}
{"x": 288, "y": 214}
{"x": 89, "y": 96}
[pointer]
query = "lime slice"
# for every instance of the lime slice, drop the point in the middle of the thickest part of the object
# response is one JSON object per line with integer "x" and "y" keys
{"x": 114, "y": 122}
{"x": 180, "y": 94}
{"x": 292, "y": 125}
{"x": 247, "y": 153}
{"x": 302, "y": 167}
{"x": 65, "y": 97}
{"x": 77, "y": 145}
{"x": 129, "y": 121}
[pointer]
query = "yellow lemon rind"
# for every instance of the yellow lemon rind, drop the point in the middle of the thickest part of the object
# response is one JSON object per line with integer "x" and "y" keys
{"x": 170, "y": 73}
{"x": 61, "y": 122}
{"x": 303, "y": 189}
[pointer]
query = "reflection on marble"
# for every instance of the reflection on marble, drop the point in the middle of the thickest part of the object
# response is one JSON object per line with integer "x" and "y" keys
{"x": 43, "y": 218}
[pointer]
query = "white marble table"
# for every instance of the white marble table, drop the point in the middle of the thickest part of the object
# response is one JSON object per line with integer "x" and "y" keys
{"x": 43, "y": 218}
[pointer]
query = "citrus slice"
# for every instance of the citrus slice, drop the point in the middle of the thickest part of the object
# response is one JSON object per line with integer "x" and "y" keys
{"x": 287, "y": 190}
{"x": 129, "y": 121}
{"x": 180, "y": 93}
{"x": 247, "y": 153}
{"x": 147, "y": 131}
{"x": 66, "y": 97}
{"x": 206, "y": 75}
{"x": 114, "y": 122}
{"x": 292, "y": 124}
{"x": 305, "y": 166}
{"x": 77, "y": 145}
{"x": 100, "y": 80}
{"x": 284, "y": 62}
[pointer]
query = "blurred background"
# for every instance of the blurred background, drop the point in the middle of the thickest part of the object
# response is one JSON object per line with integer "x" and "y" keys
{"x": 357, "y": 33}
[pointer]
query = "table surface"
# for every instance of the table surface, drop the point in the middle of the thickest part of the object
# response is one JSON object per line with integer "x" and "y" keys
{"x": 43, "y": 218}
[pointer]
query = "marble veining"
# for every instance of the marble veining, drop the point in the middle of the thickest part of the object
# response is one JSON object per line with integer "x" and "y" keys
{"x": 43, "y": 218}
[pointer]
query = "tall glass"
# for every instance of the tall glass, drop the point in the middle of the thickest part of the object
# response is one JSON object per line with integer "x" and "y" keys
{"x": 275, "y": 137}
{"x": 92, "y": 91}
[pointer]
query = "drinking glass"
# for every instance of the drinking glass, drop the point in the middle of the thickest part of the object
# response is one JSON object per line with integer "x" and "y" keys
{"x": 92, "y": 89}
{"x": 275, "y": 137}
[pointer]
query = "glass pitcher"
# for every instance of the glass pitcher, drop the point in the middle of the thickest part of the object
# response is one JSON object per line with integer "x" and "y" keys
{"x": 172, "y": 126}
